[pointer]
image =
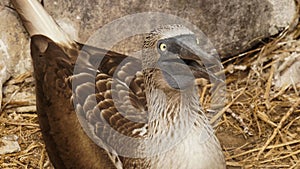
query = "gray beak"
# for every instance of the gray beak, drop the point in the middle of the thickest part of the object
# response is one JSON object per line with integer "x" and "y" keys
{"x": 190, "y": 50}
{"x": 184, "y": 62}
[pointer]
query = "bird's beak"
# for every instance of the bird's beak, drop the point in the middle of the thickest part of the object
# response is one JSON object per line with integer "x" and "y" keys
{"x": 190, "y": 51}
{"x": 190, "y": 62}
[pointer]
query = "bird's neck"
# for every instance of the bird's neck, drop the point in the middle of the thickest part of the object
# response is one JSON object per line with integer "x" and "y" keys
{"x": 173, "y": 118}
{"x": 172, "y": 111}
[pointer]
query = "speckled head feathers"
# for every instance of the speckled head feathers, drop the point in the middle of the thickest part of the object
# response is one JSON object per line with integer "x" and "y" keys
{"x": 150, "y": 55}
{"x": 163, "y": 32}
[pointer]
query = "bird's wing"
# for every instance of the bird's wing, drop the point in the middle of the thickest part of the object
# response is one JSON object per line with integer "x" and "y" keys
{"x": 103, "y": 88}
{"x": 108, "y": 93}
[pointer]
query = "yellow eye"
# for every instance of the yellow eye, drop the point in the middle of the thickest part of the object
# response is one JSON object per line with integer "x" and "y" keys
{"x": 163, "y": 47}
{"x": 197, "y": 41}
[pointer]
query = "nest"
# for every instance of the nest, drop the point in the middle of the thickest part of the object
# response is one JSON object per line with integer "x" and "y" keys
{"x": 260, "y": 122}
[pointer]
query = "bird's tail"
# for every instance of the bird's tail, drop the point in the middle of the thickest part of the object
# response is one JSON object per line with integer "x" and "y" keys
{"x": 38, "y": 22}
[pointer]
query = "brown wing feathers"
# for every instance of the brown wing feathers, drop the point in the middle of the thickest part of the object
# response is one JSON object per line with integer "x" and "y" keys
{"x": 105, "y": 88}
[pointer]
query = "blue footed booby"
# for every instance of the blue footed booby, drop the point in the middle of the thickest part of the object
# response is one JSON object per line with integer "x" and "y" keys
{"x": 101, "y": 109}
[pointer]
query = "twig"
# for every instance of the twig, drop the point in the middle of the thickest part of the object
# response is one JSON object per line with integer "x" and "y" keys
{"x": 11, "y": 97}
{"x": 220, "y": 113}
{"x": 281, "y": 91}
{"x": 241, "y": 55}
{"x": 280, "y": 158}
{"x": 19, "y": 124}
{"x": 297, "y": 165}
{"x": 41, "y": 161}
{"x": 279, "y": 126}
{"x": 269, "y": 147}
{"x": 268, "y": 87}
{"x": 241, "y": 121}
{"x": 288, "y": 147}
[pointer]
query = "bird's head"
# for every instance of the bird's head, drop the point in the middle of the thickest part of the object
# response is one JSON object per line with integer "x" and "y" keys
{"x": 173, "y": 53}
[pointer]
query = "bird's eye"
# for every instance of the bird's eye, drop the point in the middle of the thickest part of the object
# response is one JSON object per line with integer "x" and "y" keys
{"x": 163, "y": 47}
{"x": 197, "y": 41}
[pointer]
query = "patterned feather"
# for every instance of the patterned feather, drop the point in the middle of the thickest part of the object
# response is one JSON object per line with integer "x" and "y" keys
{"x": 101, "y": 109}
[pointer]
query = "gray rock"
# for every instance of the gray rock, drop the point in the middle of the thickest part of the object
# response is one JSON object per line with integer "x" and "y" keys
{"x": 287, "y": 71}
{"x": 233, "y": 26}
{"x": 14, "y": 47}
{"x": 9, "y": 144}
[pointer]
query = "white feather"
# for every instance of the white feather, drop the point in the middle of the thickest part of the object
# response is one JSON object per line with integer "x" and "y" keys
{"x": 38, "y": 22}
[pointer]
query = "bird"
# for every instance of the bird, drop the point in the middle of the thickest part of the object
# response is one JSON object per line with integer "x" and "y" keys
{"x": 101, "y": 109}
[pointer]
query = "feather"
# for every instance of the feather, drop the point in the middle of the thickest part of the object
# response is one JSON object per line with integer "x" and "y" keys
{"x": 102, "y": 109}
{"x": 38, "y": 22}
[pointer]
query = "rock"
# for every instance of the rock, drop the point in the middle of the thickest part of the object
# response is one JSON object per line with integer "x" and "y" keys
{"x": 14, "y": 47}
{"x": 9, "y": 144}
{"x": 233, "y": 26}
{"x": 287, "y": 71}
{"x": 14, "y": 42}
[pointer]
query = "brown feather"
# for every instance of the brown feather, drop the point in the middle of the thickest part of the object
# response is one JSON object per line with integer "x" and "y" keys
{"x": 86, "y": 93}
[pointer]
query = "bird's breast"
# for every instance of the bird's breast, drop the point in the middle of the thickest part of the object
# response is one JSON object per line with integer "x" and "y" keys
{"x": 198, "y": 150}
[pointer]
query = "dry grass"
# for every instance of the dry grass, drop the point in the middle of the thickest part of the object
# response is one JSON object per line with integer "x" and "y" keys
{"x": 19, "y": 117}
{"x": 260, "y": 124}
